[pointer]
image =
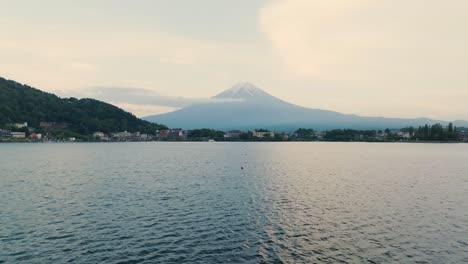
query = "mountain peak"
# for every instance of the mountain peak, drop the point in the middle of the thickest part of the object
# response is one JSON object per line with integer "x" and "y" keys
{"x": 244, "y": 90}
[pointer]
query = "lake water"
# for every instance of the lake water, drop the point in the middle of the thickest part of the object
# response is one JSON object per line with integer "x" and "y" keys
{"x": 192, "y": 203}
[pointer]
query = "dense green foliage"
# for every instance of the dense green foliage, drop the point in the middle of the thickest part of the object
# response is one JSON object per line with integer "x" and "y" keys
{"x": 20, "y": 103}
{"x": 434, "y": 133}
{"x": 350, "y": 135}
{"x": 205, "y": 133}
{"x": 304, "y": 134}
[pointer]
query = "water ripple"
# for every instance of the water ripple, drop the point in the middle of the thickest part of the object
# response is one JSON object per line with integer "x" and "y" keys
{"x": 190, "y": 203}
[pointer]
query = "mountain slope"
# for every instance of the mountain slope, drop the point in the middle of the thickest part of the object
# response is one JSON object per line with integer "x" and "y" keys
{"x": 255, "y": 108}
{"x": 21, "y": 103}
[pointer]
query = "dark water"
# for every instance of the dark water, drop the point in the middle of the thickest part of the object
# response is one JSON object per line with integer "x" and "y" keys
{"x": 192, "y": 203}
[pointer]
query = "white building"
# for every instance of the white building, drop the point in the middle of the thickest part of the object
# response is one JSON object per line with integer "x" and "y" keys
{"x": 404, "y": 135}
{"x": 262, "y": 134}
{"x": 98, "y": 134}
{"x": 18, "y": 134}
{"x": 20, "y": 125}
{"x": 122, "y": 135}
{"x": 464, "y": 136}
{"x": 35, "y": 136}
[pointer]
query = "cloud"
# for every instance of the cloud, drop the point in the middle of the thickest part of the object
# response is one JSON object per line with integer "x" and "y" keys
{"x": 376, "y": 56}
{"x": 63, "y": 56}
{"x": 143, "y": 110}
{"x": 355, "y": 39}
{"x": 144, "y": 97}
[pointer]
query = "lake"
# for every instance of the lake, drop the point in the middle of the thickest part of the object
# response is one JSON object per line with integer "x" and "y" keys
{"x": 233, "y": 203}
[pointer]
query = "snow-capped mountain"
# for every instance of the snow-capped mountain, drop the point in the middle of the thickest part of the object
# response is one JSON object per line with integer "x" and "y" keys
{"x": 245, "y": 91}
{"x": 255, "y": 108}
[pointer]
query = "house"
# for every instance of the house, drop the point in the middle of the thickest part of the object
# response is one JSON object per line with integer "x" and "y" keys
{"x": 139, "y": 136}
{"x": 464, "y": 135}
{"x": 164, "y": 134}
{"x": 319, "y": 134}
{"x": 19, "y": 125}
{"x": 262, "y": 133}
{"x": 404, "y": 135}
{"x": 122, "y": 135}
{"x": 98, "y": 134}
{"x": 5, "y": 134}
{"x": 35, "y": 136}
{"x": 176, "y": 133}
{"x": 184, "y": 134}
{"x": 18, "y": 134}
{"x": 144, "y": 137}
{"x": 233, "y": 134}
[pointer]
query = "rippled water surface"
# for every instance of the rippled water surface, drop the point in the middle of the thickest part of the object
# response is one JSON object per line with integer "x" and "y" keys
{"x": 192, "y": 203}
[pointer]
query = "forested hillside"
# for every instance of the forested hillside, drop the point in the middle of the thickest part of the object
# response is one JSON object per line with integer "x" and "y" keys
{"x": 21, "y": 103}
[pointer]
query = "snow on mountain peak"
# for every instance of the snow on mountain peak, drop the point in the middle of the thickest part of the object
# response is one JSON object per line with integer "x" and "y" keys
{"x": 243, "y": 90}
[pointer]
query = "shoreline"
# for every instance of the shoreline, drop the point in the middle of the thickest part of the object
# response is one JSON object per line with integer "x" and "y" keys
{"x": 202, "y": 141}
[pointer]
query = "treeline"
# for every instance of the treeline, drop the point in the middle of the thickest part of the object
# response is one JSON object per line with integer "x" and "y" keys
{"x": 218, "y": 135}
{"x": 205, "y": 134}
{"x": 21, "y": 103}
{"x": 350, "y": 135}
{"x": 436, "y": 132}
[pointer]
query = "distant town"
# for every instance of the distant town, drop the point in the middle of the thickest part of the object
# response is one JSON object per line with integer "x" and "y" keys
{"x": 58, "y": 132}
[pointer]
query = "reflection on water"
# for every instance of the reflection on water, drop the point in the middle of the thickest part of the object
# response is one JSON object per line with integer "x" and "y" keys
{"x": 192, "y": 202}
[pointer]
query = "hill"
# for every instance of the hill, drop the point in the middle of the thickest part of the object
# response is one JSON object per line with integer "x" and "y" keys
{"x": 254, "y": 108}
{"x": 21, "y": 103}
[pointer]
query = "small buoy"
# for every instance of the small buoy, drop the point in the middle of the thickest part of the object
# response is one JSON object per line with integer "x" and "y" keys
{"x": 242, "y": 168}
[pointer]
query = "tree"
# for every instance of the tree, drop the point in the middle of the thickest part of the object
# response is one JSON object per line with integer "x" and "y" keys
{"x": 21, "y": 103}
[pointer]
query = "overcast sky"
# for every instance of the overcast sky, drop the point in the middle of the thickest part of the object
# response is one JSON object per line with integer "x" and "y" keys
{"x": 395, "y": 58}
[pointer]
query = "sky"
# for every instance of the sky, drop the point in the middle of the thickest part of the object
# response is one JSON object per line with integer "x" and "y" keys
{"x": 390, "y": 58}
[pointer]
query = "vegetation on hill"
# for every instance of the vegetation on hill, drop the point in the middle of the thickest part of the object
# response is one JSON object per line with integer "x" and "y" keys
{"x": 21, "y": 103}
{"x": 205, "y": 133}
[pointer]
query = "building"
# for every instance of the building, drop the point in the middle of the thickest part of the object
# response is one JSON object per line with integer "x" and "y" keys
{"x": 464, "y": 135}
{"x": 404, "y": 135}
{"x": 19, "y": 125}
{"x": 5, "y": 134}
{"x": 319, "y": 134}
{"x": 98, "y": 134}
{"x": 122, "y": 135}
{"x": 185, "y": 134}
{"x": 144, "y": 137}
{"x": 35, "y": 136}
{"x": 262, "y": 134}
{"x": 176, "y": 133}
{"x": 233, "y": 134}
{"x": 18, "y": 135}
{"x": 164, "y": 134}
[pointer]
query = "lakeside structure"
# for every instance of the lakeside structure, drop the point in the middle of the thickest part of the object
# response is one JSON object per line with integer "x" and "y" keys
{"x": 436, "y": 133}
{"x": 21, "y": 132}
{"x": 233, "y": 134}
{"x": 463, "y": 135}
{"x": 262, "y": 133}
